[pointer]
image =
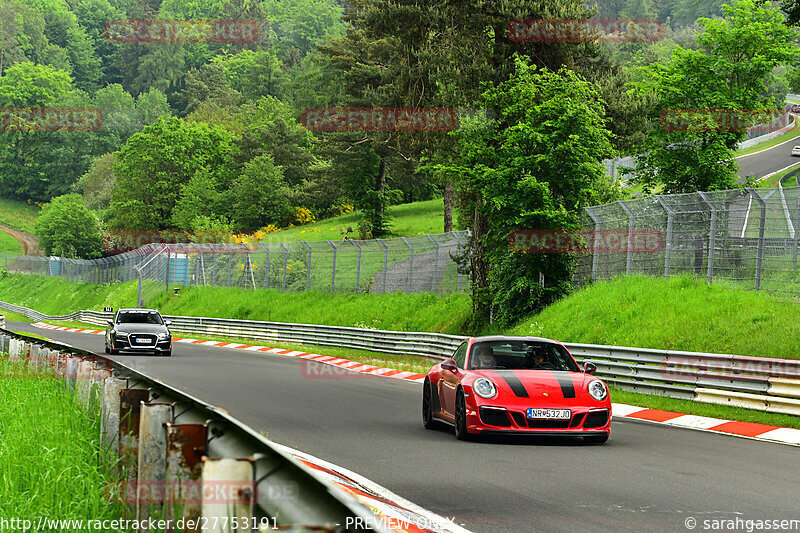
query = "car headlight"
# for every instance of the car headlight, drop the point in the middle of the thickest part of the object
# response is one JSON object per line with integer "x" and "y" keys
{"x": 484, "y": 388}
{"x": 163, "y": 336}
{"x": 598, "y": 390}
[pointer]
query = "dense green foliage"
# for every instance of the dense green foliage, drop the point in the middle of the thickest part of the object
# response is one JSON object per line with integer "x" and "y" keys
{"x": 66, "y": 228}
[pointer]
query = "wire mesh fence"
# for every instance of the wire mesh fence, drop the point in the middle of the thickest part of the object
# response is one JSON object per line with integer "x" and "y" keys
{"x": 425, "y": 263}
{"x": 746, "y": 237}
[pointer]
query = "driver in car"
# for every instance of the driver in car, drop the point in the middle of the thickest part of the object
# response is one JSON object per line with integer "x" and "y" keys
{"x": 537, "y": 358}
{"x": 485, "y": 356}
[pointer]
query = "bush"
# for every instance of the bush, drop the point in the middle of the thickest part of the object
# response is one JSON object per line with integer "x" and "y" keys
{"x": 66, "y": 228}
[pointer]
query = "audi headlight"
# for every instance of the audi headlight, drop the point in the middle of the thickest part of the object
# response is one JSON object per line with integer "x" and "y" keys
{"x": 484, "y": 388}
{"x": 598, "y": 390}
{"x": 163, "y": 336}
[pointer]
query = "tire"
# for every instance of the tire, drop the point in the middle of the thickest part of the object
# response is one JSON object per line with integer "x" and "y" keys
{"x": 107, "y": 350}
{"x": 427, "y": 409}
{"x": 596, "y": 439}
{"x": 460, "y": 426}
{"x": 168, "y": 354}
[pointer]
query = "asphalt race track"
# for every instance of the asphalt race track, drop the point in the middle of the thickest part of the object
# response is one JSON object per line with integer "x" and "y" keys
{"x": 646, "y": 478}
{"x": 768, "y": 161}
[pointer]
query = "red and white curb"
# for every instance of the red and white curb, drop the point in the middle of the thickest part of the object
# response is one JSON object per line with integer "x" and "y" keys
{"x": 391, "y": 511}
{"x": 750, "y": 430}
{"x": 352, "y": 366}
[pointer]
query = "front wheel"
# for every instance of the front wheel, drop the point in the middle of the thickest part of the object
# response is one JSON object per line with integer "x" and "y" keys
{"x": 461, "y": 418}
{"x": 427, "y": 409}
{"x": 595, "y": 439}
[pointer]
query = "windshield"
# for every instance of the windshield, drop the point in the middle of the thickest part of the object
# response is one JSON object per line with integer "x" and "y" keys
{"x": 139, "y": 318}
{"x": 521, "y": 355}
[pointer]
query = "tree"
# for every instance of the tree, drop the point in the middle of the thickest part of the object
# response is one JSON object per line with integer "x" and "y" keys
{"x": 533, "y": 166}
{"x": 66, "y": 228}
{"x": 157, "y": 162}
{"x": 730, "y": 72}
{"x": 258, "y": 196}
{"x": 96, "y": 185}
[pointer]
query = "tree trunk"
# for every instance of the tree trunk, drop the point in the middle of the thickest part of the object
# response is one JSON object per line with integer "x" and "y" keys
{"x": 382, "y": 183}
{"x": 449, "y": 193}
{"x": 480, "y": 269}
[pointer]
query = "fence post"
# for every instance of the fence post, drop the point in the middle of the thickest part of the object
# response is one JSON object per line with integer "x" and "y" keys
{"x": 358, "y": 264}
{"x": 385, "y": 263}
{"x": 668, "y": 240}
{"x": 796, "y": 233}
{"x": 167, "y": 276}
{"x": 761, "y": 224}
{"x": 214, "y": 272}
{"x": 333, "y": 268}
{"x": 308, "y": 267}
{"x": 285, "y": 264}
{"x": 712, "y": 236}
{"x": 435, "y": 263}
{"x": 266, "y": 266}
{"x": 595, "y": 242}
{"x": 139, "y": 302}
{"x": 230, "y": 262}
{"x": 410, "y": 266}
{"x": 629, "y": 263}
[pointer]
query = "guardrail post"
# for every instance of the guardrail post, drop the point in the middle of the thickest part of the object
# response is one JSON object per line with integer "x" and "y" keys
{"x": 285, "y": 264}
{"x": 761, "y": 225}
{"x": 308, "y": 267}
{"x": 435, "y": 263}
{"x": 128, "y": 438}
{"x": 333, "y": 268}
{"x": 235, "y": 477}
{"x": 152, "y": 459}
{"x": 629, "y": 262}
{"x": 109, "y": 416}
{"x": 668, "y": 240}
{"x": 595, "y": 242}
{"x": 186, "y": 444}
{"x": 358, "y": 264}
{"x": 385, "y": 262}
{"x": 410, "y": 265}
{"x": 712, "y": 236}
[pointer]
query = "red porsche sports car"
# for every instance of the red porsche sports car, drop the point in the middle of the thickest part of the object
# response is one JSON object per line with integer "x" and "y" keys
{"x": 527, "y": 385}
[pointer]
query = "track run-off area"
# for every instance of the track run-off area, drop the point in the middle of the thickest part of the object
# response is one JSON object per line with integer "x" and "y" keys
{"x": 646, "y": 478}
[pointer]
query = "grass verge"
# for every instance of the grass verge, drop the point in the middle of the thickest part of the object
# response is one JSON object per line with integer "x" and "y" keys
{"x": 773, "y": 180}
{"x": 791, "y": 134}
{"x": 18, "y": 215}
{"x": 9, "y": 245}
{"x": 50, "y": 457}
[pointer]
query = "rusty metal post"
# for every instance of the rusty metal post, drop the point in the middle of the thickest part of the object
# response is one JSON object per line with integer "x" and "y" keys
{"x": 109, "y": 416}
{"x": 71, "y": 374}
{"x": 228, "y": 492}
{"x": 130, "y": 401}
{"x": 185, "y": 448}
{"x": 83, "y": 382}
{"x": 152, "y": 460}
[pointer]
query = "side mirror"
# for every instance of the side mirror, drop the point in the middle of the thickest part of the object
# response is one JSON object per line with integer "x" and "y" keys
{"x": 110, "y": 323}
{"x": 168, "y": 322}
{"x": 449, "y": 364}
{"x": 589, "y": 367}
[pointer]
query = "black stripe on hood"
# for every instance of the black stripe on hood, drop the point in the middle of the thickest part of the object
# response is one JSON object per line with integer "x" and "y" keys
{"x": 514, "y": 382}
{"x": 567, "y": 387}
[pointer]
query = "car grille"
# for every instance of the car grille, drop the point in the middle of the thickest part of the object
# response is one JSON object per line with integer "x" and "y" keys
{"x": 495, "y": 417}
{"x": 142, "y": 340}
{"x": 596, "y": 419}
{"x": 576, "y": 420}
{"x": 549, "y": 424}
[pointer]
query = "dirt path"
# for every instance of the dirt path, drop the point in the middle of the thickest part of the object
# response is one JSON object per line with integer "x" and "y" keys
{"x": 29, "y": 243}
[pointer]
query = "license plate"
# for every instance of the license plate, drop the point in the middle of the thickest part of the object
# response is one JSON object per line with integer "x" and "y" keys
{"x": 550, "y": 414}
{"x": 142, "y": 341}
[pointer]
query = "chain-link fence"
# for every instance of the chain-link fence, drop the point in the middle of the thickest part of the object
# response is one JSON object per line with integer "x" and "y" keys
{"x": 746, "y": 237}
{"x": 427, "y": 263}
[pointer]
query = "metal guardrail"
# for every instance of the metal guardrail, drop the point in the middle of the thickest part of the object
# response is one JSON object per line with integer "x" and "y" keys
{"x": 671, "y": 373}
{"x": 187, "y": 458}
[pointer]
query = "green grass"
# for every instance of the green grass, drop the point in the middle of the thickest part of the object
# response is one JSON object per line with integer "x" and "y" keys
{"x": 9, "y": 245}
{"x": 14, "y": 317}
{"x": 410, "y": 220}
{"x": 50, "y": 459}
{"x": 791, "y": 134}
{"x": 773, "y": 180}
{"x": 18, "y": 215}
{"x": 703, "y": 409}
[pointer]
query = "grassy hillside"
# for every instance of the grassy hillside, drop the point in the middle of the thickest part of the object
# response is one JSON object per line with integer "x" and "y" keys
{"x": 410, "y": 220}
{"x": 18, "y": 215}
{"x": 680, "y": 313}
{"x": 9, "y": 245}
